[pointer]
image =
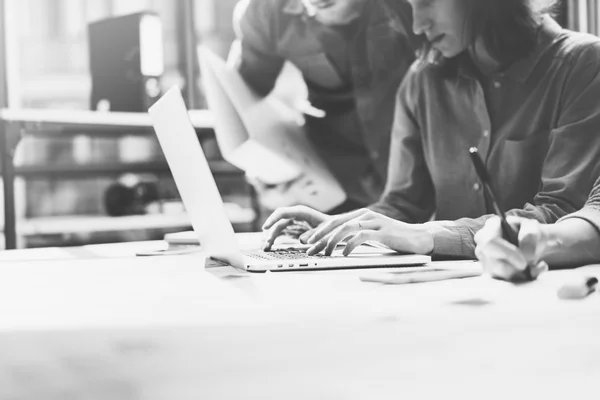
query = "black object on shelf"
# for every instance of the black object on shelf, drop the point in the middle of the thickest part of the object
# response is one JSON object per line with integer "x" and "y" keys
{"x": 130, "y": 198}
{"x": 126, "y": 62}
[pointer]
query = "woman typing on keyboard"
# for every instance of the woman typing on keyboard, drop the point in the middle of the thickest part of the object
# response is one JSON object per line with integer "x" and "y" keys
{"x": 499, "y": 75}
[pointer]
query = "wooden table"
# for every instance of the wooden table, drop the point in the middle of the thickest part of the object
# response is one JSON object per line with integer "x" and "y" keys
{"x": 97, "y": 322}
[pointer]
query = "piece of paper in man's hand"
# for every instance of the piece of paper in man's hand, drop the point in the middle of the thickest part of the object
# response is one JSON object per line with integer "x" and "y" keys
{"x": 262, "y": 136}
{"x": 268, "y": 166}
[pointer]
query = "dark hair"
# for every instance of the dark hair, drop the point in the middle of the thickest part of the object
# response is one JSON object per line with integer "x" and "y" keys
{"x": 508, "y": 28}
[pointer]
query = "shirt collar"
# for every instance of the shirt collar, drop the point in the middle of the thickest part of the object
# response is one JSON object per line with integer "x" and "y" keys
{"x": 521, "y": 69}
{"x": 546, "y": 37}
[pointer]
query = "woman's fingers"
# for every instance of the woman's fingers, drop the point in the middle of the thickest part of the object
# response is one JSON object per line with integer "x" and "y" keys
{"x": 304, "y": 237}
{"x": 498, "y": 250}
{"x": 301, "y": 213}
{"x": 275, "y": 232}
{"x": 515, "y": 221}
{"x": 333, "y": 223}
{"x": 531, "y": 240}
{"x": 502, "y": 270}
{"x": 501, "y": 259}
{"x": 358, "y": 239}
{"x": 348, "y": 229}
{"x": 540, "y": 268}
{"x": 491, "y": 230}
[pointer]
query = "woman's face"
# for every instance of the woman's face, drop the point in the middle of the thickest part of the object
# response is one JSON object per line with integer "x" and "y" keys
{"x": 443, "y": 23}
{"x": 335, "y": 12}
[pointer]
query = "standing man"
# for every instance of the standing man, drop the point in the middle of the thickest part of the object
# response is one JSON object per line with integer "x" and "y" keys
{"x": 353, "y": 55}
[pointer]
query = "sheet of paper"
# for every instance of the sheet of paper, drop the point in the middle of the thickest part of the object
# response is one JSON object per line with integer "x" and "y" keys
{"x": 263, "y": 137}
{"x": 261, "y": 162}
{"x": 226, "y": 118}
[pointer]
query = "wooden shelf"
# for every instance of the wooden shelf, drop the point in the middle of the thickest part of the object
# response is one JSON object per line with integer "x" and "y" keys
{"x": 74, "y": 122}
{"x": 87, "y": 224}
{"x": 68, "y": 171}
{"x": 19, "y": 123}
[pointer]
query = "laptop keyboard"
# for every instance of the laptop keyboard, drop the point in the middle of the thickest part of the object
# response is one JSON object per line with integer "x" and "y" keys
{"x": 288, "y": 254}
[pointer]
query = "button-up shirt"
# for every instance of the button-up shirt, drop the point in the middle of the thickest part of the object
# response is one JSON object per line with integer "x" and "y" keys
{"x": 353, "y": 77}
{"x": 538, "y": 133}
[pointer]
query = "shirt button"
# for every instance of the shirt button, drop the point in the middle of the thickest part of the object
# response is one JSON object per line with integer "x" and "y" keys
{"x": 486, "y": 133}
{"x": 374, "y": 154}
{"x": 476, "y": 186}
{"x": 497, "y": 84}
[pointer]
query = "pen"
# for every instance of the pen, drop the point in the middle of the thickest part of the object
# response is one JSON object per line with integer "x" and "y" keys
{"x": 579, "y": 288}
{"x": 508, "y": 232}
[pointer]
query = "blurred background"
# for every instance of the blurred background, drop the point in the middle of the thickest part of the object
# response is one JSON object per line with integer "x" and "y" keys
{"x": 54, "y": 56}
{"x": 74, "y": 185}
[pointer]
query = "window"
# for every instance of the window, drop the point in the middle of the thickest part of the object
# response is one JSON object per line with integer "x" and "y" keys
{"x": 583, "y": 16}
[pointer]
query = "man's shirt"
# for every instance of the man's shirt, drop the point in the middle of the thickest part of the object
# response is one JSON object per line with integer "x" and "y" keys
{"x": 538, "y": 133}
{"x": 352, "y": 76}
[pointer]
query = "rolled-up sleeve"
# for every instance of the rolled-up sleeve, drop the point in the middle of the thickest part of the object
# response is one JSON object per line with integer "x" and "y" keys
{"x": 409, "y": 195}
{"x": 570, "y": 167}
{"x": 254, "y": 52}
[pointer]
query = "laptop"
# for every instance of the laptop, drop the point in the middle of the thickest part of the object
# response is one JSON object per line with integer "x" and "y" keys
{"x": 204, "y": 205}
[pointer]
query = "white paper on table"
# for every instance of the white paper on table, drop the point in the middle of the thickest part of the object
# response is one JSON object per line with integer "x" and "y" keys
{"x": 263, "y": 137}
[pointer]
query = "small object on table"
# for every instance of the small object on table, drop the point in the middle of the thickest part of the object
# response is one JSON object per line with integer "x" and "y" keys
{"x": 579, "y": 288}
{"x": 169, "y": 252}
{"x": 427, "y": 275}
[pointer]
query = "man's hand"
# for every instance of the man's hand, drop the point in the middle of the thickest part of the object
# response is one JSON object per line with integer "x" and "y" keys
{"x": 502, "y": 260}
{"x": 364, "y": 225}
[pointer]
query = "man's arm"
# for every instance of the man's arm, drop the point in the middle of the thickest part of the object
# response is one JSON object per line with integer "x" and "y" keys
{"x": 575, "y": 239}
{"x": 571, "y": 164}
{"x": 254, "y": 53}
{"x": 572, "y": 242}
{"x": 409, "y": 195}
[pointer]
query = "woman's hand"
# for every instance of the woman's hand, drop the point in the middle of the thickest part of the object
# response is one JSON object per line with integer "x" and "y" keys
{"x": 296, "y": 217}
{"x": 364, "y": 225}
{"x": 502, "y": 260}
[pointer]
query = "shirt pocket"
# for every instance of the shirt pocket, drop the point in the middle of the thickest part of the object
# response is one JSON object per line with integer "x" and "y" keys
{"x": 521, "y": 164}
{"x": 318, "y": 70}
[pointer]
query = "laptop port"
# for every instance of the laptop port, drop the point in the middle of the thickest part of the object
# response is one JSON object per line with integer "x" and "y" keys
{"x": 291, "y": 265}
{"x": 303, "y": 265}
{"x": 279, "y": 265}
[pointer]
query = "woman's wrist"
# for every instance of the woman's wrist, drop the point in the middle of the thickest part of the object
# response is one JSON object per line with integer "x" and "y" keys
{"x": 421, "y": 239}
{"x": 551, "y": 241}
